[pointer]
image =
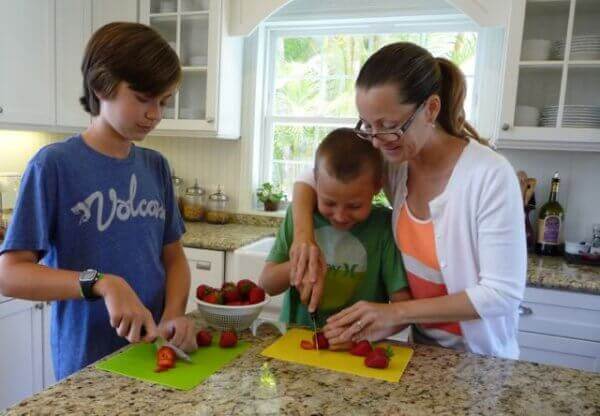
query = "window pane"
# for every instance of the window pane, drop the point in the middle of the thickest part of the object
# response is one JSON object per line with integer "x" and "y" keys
{"x": 293, "y": 151}
{"x": 314, "y": 76}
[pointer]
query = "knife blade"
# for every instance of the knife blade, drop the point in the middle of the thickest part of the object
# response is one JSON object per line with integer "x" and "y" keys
{"x": 313, "y": 317}
{"x": 161, "y": 342}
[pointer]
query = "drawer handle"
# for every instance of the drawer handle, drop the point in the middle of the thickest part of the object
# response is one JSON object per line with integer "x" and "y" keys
{"x": 525, "y": 311}
{"x": 203, "y": 265}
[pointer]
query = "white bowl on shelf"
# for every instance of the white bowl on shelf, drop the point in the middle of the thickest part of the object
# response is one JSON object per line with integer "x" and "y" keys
{"x": 536, "y": 50}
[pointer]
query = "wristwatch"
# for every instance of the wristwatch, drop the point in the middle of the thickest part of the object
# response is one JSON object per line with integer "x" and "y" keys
{"x": 87, "y": 280}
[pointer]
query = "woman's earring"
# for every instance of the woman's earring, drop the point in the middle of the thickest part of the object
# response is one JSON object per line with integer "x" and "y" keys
{"x": 433, "y": 125}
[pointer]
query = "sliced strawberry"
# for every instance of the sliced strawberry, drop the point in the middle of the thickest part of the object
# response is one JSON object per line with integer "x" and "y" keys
{"x": 256, "y": 295}
{"x": 203, "y": 338}
{"x": 228, "y": 339}
{"x": 307, "y": 345}
{"x": 320, "y": 340}
{"x": 361, "y": 348}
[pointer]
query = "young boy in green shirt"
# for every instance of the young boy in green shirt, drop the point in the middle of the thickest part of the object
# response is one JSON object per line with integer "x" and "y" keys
{"x": 361, "y": 261}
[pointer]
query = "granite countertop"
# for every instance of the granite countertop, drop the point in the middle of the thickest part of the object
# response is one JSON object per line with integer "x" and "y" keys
{"x": 437, "y": 381}
{"x": 242, "y": 229}
{"x": 556, "y": 273}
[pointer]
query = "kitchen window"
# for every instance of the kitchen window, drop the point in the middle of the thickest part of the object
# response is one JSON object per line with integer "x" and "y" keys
{"x": 309, "y": 86}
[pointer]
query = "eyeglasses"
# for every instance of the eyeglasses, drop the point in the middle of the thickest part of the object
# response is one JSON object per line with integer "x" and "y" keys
{"x": 387, "y": 136}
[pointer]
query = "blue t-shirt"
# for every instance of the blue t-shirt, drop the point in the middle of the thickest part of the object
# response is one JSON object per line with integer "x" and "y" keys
{"x": 81, "y": 209}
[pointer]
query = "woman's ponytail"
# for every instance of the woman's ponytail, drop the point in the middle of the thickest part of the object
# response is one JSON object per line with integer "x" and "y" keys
{"x": 452, "y": 92}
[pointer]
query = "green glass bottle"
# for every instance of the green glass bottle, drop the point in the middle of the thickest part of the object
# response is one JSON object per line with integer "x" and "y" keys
{"x": 550, "y": 226}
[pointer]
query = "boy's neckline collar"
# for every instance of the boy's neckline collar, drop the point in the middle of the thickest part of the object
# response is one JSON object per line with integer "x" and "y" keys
{"x": 129, "y": 159}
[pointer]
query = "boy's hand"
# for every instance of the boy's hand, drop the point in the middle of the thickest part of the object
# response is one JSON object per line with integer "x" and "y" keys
{"x": 127, "y": 313}
{"x": 180, "y": 332}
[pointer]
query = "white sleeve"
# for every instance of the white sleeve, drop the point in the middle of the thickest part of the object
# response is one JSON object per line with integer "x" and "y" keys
{"x": 501, "y": 245}
{"x": 307, "y": 177}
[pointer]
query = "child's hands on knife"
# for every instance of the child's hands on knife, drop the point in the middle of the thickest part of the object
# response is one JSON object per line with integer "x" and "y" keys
{"x": 180, "y": 332}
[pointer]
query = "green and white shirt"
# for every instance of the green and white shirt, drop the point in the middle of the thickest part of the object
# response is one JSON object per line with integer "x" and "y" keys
{"x": 363, "y": 263}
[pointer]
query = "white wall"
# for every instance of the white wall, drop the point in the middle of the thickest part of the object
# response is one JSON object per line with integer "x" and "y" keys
{"x": 579, "y": 192}
{"x": 212, "y": 161}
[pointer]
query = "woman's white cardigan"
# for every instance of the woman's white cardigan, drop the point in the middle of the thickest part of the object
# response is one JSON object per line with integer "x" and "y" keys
{"x": 480, "y": 240}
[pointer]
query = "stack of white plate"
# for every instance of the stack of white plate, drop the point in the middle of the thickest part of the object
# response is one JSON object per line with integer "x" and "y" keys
{"x": 583, "y": 48}
{"x": 582, "y": 116}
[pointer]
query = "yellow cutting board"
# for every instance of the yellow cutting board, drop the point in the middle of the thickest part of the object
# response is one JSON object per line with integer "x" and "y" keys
{"x": 287, "y": 348}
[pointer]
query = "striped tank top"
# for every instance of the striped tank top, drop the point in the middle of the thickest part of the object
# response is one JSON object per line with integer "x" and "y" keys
{"x": 416, "y": 241}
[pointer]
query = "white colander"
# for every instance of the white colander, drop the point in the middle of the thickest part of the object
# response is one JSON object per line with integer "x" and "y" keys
{"x": 224, "y": 318}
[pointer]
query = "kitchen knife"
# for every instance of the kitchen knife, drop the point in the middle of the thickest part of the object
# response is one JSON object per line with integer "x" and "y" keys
{"x": 161, "y": 342}
{"x": 313, "y": 317}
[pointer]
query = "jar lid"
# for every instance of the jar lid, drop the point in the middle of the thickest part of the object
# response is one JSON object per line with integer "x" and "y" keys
{"x": 176, "y": 179}
{"x": 219, "y": 195}
{"x": 194, "y": 190}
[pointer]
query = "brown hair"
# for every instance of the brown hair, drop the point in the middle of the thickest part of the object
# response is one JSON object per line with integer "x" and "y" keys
{"x": 130, "y": 52}
{"x": 345, "y": 156}
{"x": 418, "y": 75}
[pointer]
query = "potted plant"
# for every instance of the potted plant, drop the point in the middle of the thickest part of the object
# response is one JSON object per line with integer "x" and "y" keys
{"x": 270, "y": 195}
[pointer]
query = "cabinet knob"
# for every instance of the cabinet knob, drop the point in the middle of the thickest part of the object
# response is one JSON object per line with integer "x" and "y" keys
{"x": 1, "y": 110}
{"x": 210, "y": 120}
{"x": 39, "y": 306}
{"x": 505, "y": 126}
{"x": 525, "y": 311}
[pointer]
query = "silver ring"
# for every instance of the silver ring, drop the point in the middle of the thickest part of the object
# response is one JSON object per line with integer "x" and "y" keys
{"x": 359, "y": 324}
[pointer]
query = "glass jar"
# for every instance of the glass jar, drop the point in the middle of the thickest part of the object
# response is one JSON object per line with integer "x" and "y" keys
{"x": 217, "y": 207}
{"x": 193, "y": 203}
{"x": 177, "y": 190}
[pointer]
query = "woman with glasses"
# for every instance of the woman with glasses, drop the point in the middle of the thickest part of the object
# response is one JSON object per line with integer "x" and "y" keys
{"x": 458, "y": 217}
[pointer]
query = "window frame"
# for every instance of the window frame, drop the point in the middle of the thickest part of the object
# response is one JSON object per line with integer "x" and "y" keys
{"x": 273, "y": 31}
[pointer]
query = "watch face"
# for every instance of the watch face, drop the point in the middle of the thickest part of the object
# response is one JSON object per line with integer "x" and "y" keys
{"x": 88, "y": 275}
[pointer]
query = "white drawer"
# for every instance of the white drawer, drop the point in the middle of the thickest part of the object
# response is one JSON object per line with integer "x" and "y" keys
{"x": 564, "y": 352}
{"x": 206, "y": 267}
{"x": 559, "y": 313}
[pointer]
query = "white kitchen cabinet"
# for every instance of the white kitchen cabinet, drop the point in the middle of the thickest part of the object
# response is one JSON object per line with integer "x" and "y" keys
{"x": 73, "y": 29}
{"x": 76, "y": 20}
{"x": 49, "y": 378}
{"x": 550, "y": 72}
{"x": 27, "y": 62}
{"x": 206, "y": 267}
{"x": 208, "y": 102}
{"x": 107, "y": 11}
{"x": 560, "y": 328}
{"x": 21, "y": 349}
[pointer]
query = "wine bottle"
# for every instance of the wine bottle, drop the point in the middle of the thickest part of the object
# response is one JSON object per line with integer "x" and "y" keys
{"x": 550, "y": 225}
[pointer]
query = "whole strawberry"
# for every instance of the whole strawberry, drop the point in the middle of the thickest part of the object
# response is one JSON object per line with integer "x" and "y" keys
{"x": 213, "y": 297}
{"x": 361, "y": 348}
{"x": 228, "y": 339}
{"x": 320, "y": 340}
{"x": 231, "y": 294}
{"x": 256, "y": 295}
{"x": 203, "y": 290}
{"x": 227, "y": 285}
{"x": 203, "y": 338}
{"x": 244, "y": 286}
{"x": 377, "y": 359}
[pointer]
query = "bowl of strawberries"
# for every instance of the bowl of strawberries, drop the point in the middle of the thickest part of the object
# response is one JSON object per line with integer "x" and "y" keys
{"x": 232, "y": 307}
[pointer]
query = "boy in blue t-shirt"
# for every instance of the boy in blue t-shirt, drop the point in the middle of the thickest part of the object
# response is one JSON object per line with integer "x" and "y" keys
{"x": 96, "y": 228}
{"x": 361, "y": 261}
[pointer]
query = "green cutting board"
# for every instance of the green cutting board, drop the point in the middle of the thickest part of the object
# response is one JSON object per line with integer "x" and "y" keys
{"x": 139, "y": 361}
